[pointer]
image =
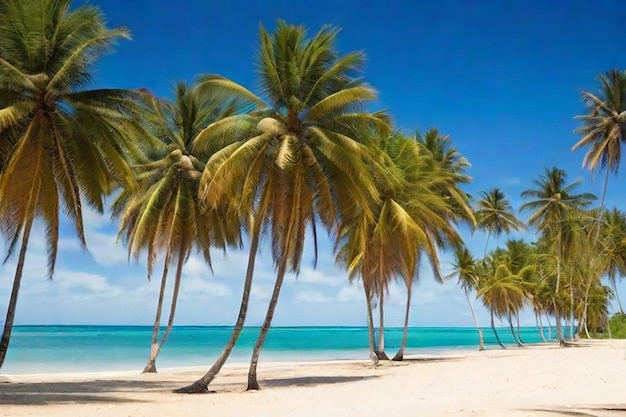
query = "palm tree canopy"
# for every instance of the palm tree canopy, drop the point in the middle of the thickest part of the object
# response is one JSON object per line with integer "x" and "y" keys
{"x": 552, "y": 200}
{"x": 465, "y": 268}
{"x": 61, "y": 145}
{"x": 164, "y": 214}
{"x": 495, "y": 213}
{"x": 304, "y": 156}
{"x": 603, "y": 128}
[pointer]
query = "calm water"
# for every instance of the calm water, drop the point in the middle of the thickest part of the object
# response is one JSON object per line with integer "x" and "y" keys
{"x": 40, "y": 349}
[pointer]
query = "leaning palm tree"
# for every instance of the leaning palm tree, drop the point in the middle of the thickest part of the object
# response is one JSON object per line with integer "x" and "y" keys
{"x": 494, "y": 214}
{"x": 603, "y": 128}
{"x": 164, "y": 214}
{"x": 67, "y": 145}
{"x": 465, "y": 268}
{"x": 304, "y": 160}
{"x": 551, "y": 202}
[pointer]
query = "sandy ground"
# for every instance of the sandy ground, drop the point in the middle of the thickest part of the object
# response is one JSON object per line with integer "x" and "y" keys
{"x": 537, "y": 381}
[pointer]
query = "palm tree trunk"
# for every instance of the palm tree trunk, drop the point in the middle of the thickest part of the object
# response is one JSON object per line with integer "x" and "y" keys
{"x": 493, "y": 327}
{"x": 253, "y": 383}
{"x": 154, "y": 345}
{"x": 513, "y": 332}
{"x": 11, "y": 308}
{"x": 202, "y": 384}
{"x": 381, "y": 328}
{"x": 519, "y": 335}
{"x": 540, "y": 326}
{"x": 557, "y": 315}
{"x": 619, "y": 302}
{"x": 370, "y": 328}
{"x": 586, "y": 328}
{"x": 487, "y": 244}
{"x": 405, "y": 331}
{"x": 170, "y": 320}
{"x": 549, "y": 326}
{"x": 481, "y": 342}
{"x": 571, "y": 307}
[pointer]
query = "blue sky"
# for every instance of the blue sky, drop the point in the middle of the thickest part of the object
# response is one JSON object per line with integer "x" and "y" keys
{"x": 502, "y": 78}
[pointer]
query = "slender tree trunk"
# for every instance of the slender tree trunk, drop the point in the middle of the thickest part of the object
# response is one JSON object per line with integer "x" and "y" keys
{"x": 519, "y": 333}
{"x": 370, "y": 328}
{"x": 571, "y": 307}
{"x": 253, "y": 383}
{"x": 154, "y": 345}
{"x": 557, "y": 313}
{"x": 540, "y": 326}
{"x": 520, "y": 344}
{"x": 381, "y": 328}
{"x": 405, "y": 331}
{"x": 11, "y": 308}
{"x": 487, "y": 243}
{"x": 619, "y": 302}
{"x": 493, "y": 327}
{"x": 549, "y": 326}
{"x": 586, "y": 328}
{"x": 202, "y": 384}
{"x": 481, "y": 342}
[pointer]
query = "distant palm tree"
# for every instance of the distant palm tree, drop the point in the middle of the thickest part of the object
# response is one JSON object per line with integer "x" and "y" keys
{"x": 304, "y": 160}
{"x": 603, "y": 128}
{"x": 613, "y": 248}
{"x": 62, "y": 146}
{"x": 164, "y": 215}
{"x": 494, "y": 214}
{"x": 466, "y": 269}
{"x": 551, "y": 202}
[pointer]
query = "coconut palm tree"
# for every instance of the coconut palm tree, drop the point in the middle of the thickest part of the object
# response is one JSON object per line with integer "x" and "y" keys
{"x": 164, "y": 214}
{"x": 66, "y": 145}
{"x": 465, "y": 268}
{"x": 305, "y": 159}
{"x": 613, "y": 248}
{"x": 494, "y": 214}
{"x": 551, "y": 202}
{"x": 603, "y": 128}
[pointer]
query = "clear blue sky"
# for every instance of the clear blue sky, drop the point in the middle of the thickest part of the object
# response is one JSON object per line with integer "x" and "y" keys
{"x": 502, "y": 78}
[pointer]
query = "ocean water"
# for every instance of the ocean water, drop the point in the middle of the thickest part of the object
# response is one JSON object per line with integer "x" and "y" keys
{"x": 53, "y": 349}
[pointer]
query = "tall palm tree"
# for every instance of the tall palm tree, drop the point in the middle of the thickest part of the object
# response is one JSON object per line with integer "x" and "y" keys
{"x": 68, "y": 145}
{"x": 164, "y": 215}
{"x": 551, "y": 202}
{"x": 613, "y": 248}
{"x": 305, "y": 159}
{"x": 494, "y": 214}
{"x": 465, "y": 268}
{"x": 603, "y": 128}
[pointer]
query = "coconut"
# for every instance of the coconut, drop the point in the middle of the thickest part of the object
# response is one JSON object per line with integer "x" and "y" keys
{"x": 270, "y": 126}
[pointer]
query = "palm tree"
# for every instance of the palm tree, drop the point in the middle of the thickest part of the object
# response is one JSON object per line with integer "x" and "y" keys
{"x": 465, "y": 268}
{"x": 613, "y": 248}
{"x": 305, "y": 159}
{"x": 68, "y": 145}
{"x": 603, "y": 128}
{"x": 495, "y": 215}
{"x": 164, "y": 215}
{"x": 551, "y": 202}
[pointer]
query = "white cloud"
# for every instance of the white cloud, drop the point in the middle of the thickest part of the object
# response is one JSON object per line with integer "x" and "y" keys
{"x": 311, "y": 296}
{"x": 261, "y": 291}
{"x": 319, "y": 277}
{"x": 351, "y": 293}
{"x": 193, "y": 286}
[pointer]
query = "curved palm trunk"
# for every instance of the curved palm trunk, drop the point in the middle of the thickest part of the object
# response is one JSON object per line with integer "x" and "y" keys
{"x": 557, "y": 315}
{"x": 549, "y": 326}
{"x": 405, "y": 331}
{"x": 481, "y": 342}
{"x": 381, "y": 329}
{"x": 493, "y": 327}
{"x": 571, "y": 306}
{"x": 202, "y": 384}
{"x": 154, "y": 345}
{"x": 253, "y": 383}
{"x": 370, "y": 329}
{"x": 17, "y": 280}
{"x": 170, "y": 320}
{"x": 619, "y": 302}
{"x": 540, "y": 326}
{"x": 487, "y": 243}
{"x": 520, "y": 344}
{"x": 519, "y": 333}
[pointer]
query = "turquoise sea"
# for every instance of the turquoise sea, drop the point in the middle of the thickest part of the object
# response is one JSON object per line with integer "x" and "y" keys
{"x": 53, "y": 349}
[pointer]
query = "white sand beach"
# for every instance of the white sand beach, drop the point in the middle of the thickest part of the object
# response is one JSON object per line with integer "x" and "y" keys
{"x": 536, "y": 381}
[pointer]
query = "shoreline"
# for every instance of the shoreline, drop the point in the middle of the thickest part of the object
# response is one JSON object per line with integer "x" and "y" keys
{"x": 540, "y": 380}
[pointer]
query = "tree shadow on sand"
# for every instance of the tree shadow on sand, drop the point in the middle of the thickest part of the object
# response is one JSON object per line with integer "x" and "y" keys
{"x": 313, "y": 380}
{"x": 586, "y": 410}
{"x": 99, "y": 391}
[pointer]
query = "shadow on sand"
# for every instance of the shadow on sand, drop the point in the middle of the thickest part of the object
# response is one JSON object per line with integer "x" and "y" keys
{"x": 599, "y": 410}
{"x": 313, "y": 380}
